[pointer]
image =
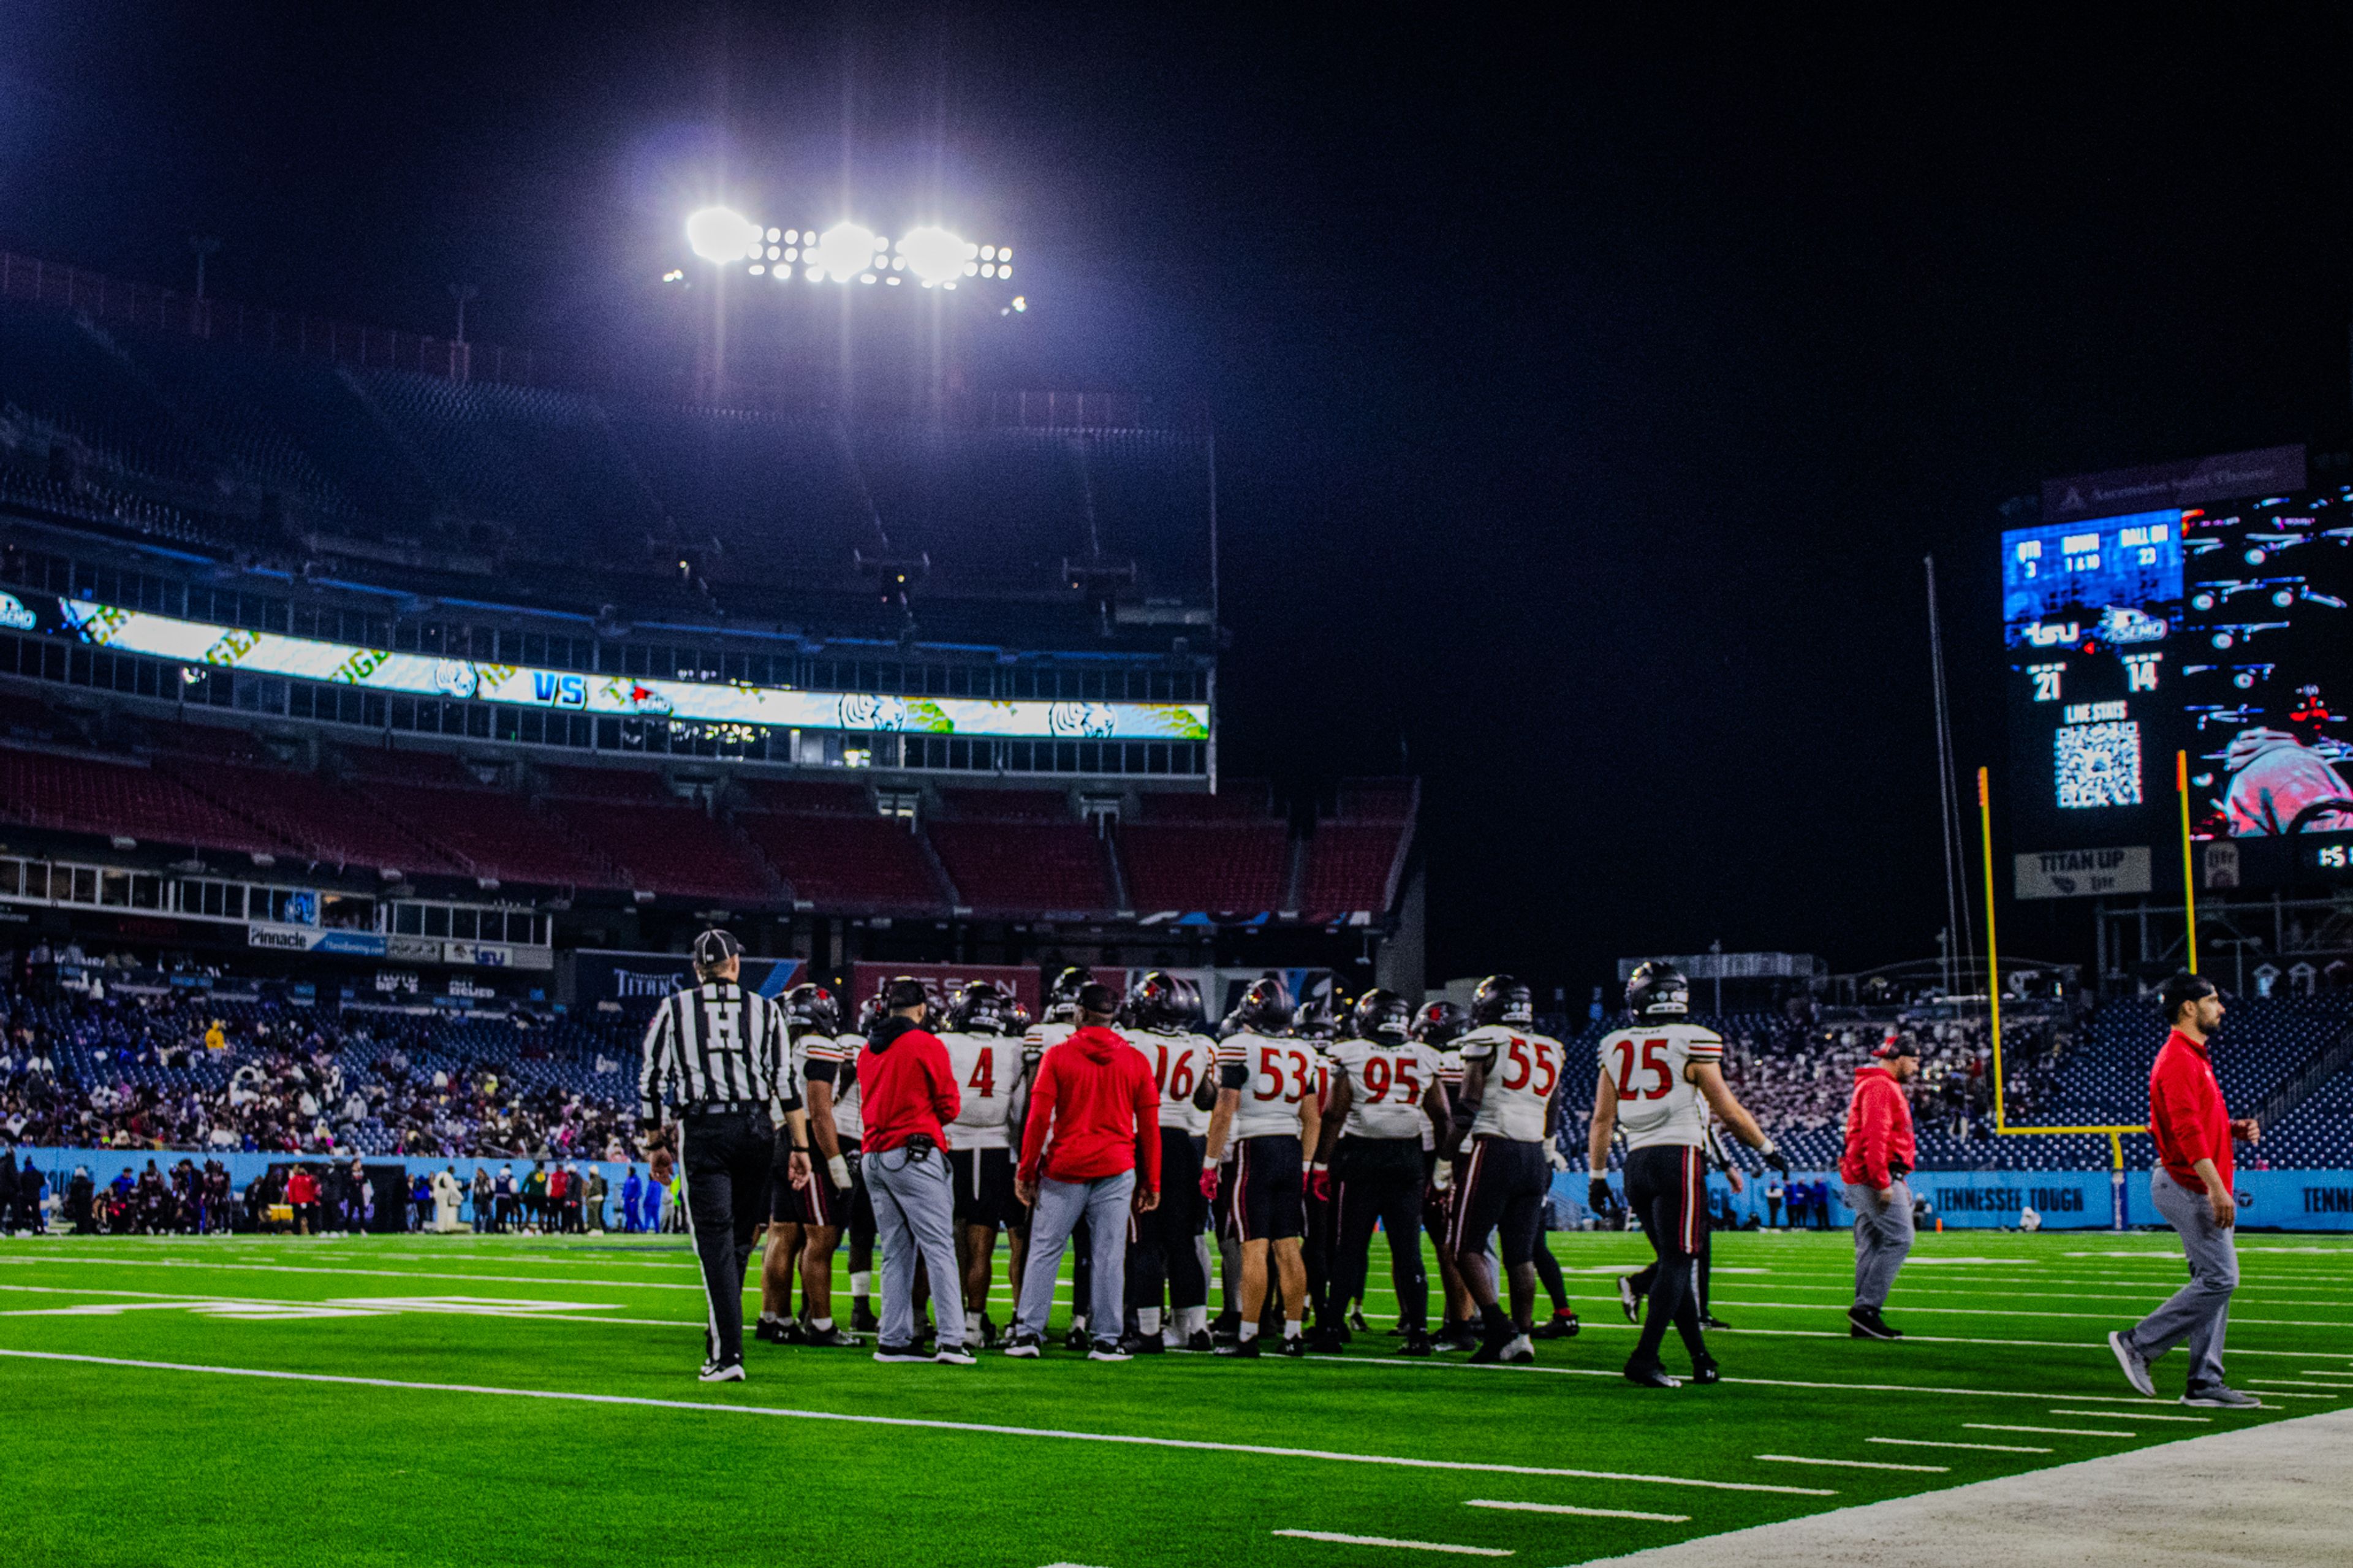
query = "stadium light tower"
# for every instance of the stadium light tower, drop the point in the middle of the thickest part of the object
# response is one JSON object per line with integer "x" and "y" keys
{"x": 928, "y": 255}
{"x": 722, "y": 235}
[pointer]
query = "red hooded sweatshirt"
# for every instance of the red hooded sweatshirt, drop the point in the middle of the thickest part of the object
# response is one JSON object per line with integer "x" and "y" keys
{"x": 906, "y": 1085}
{"x": 1878, "y": 1129}
{"x": 1093, "y": 1109}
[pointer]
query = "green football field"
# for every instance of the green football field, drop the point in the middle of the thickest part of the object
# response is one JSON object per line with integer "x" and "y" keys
{"x": 517, "y": 1401}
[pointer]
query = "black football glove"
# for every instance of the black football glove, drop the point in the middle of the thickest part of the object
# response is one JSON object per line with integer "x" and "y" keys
{"x": 1774, "y": 1159}
{"x": 1597, "y": 1194}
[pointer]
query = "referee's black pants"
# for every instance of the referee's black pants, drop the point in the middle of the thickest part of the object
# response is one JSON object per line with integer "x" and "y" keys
{"x": 1379, "y": 1180}
{"x": 726, "y": 1157}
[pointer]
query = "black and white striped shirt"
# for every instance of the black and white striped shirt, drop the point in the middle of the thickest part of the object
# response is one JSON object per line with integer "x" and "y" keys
{"x": 715, "y": 1043}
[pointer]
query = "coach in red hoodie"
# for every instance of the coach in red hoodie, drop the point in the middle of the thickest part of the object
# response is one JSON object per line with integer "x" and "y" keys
{"x": 1879, "y": 1155}
{"x": 1094, "y": 1123}
{"x": 907, "y": 1091}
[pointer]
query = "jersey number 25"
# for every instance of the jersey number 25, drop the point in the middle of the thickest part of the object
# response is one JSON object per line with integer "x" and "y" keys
{"x": 1663, "y": 1077}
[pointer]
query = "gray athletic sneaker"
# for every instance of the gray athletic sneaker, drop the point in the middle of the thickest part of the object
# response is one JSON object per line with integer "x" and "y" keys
{"x": 2136, "y": 1365}
{"x": 2214, "y": 1396}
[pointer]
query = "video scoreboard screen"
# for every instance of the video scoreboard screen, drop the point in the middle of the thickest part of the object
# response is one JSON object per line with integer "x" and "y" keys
{"x": 2224, "y": 632}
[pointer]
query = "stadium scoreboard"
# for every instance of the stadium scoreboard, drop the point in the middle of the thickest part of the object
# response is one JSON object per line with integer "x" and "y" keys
{"x": 2223, "y": 631}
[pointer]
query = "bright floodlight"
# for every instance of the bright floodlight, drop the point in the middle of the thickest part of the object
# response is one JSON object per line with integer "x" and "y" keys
{"x": 933, "y": 255}
{"x": 845, "y": 250}
{"x": 720, "y": 234}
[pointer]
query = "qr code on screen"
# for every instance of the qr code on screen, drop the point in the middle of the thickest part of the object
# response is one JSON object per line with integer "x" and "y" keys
{"x": 2099, "y": 765}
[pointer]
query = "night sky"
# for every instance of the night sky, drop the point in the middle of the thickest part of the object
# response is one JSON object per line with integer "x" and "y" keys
{"x": 1586, "y": 400}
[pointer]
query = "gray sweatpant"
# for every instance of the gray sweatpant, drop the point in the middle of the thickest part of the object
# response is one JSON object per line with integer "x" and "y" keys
{"x": 1882, "y": 1239}
{"x": 913, "y": 1212}
{"x": 1104, "y": 1204}
{"x": 2200, "y": 1310}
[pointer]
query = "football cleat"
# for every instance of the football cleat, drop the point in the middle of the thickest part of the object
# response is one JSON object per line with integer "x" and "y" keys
{"x": 902, "y": 1353}
{"x": 1704, "y": 1370}
{"x": 1078, "y": 1339}
{"x": 1142, "y": 1344}
{"x": 716, "y": 1371}
{"x": 1562, "y": 1325}
{"x": 988, "y": 1333}
{"x": 1328, "y": 1340}
{"x": 1520, "y": 1351}
{"x": 775, "y": 1331}
{"x": 1294, "y": 1344}
{"x": 953, "y": 1355}
{"x": 1107, "y": 1350}
{"x": 1491, "y": 1348}
{"x": 1710, "y": 1320}
{"x": 2214, "y": 1396}
{"x": 1202, "y": 1341}
{"x": 863, "y": 1319}
{"x": 1022, "y": 1345}
{"x": 830, "y": 1339}
{"x": 1356, "y": 1323}
{"x": 1629, "y": 1298}
{"x": 1416, "y": 1344}
{"x": 1652, "y": 1376}
{"x": 1245, "y": 1348}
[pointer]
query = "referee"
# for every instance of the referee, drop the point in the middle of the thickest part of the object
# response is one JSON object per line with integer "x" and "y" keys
{"x": 720, "y": 1057}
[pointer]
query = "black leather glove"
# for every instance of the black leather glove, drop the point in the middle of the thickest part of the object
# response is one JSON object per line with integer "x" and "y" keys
{"x": 1776, "y": 1160}
{"x": 1597, "y": 1194}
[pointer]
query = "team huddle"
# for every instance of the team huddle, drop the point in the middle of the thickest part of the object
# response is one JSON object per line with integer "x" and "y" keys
{"x": 1285, "y": 1137}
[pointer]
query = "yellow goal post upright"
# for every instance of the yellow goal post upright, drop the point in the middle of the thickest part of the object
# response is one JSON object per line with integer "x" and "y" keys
{"x": 2002, "y": 1127}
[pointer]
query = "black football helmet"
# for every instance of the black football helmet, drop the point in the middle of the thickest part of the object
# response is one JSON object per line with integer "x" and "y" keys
{"x": 1154, "y": 1002}
{"x": 1017, "y": 1016}
{"x": 1658, "y": 992}
{"x": 1439, "y": 1024}
{"x": 1264, "y": 1009}
{"x": 1189, "y": 1008}
{"x": 1062, "y": 996}
{"x": 813, "y": 1010}
{"x": 1382, "y": 1015}
{"x": 870, "y": 1013}
{"x": 978, "y": 1009}
{"x": 1501, "y": 999}
{"x": 1318, "y": 1017}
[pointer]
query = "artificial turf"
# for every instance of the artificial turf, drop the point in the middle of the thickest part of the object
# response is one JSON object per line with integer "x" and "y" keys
{"x": 109, "y": 1464}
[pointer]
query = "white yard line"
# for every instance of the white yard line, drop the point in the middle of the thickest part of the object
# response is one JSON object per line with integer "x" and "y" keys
{"x": 382, "y": 1273}
{"x": 643, "y": 1402}
{"x": 2138, "y": 1414}
{"x": 1980, "y": 1448}
{"x": 1387, "y": 1541}
{"x": 2048, "y": 1431}
{"x": 1764, "y": 1381}
{"x": 1569, "y": 1508}
{"x": 1855, "y": 1464}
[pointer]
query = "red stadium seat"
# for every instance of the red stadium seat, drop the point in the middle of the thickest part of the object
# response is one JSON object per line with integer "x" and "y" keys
{"x": 1014, "y": 869}
{"x": 1350, "y": 867}
{"x": 493, "y": 834}
{"x": 338, "y": 827}
{"x": 86, "y": 794}
{"x": 1237, "y": 868}
{"x": 671, "y": 847}
{"x": 859, "y": 865}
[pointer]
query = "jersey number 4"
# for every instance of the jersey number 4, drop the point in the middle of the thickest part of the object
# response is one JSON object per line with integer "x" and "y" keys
{"x": 1663, "y": 1077}
{"x": 983, "y": 1081}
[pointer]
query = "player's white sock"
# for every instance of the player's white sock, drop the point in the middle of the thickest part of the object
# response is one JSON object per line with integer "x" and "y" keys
{"x": 822, "y": 1325}
{"x": 1249, "y": 1331}
{"x": 768, "y": 1316}
{"x": 1291, "y": 1327}
{"x": 1147, "y": 1320}
{"x": 861, "y": 1285}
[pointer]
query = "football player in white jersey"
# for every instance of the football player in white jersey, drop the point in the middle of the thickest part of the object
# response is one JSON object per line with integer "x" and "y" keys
{"x": 989, "y": 1070}
{"x": 1266, "y": 1109}
{"x": 1439, "y": 1025}
{"x": 1502, "y": 1125}
{"x": 1163, "y": 1249}
{"x": 1658, "y": 1080}
{"x": 823, "y": 1206}
{"x": 858, "y": 1216}
{"x": 1385, "y": 1095}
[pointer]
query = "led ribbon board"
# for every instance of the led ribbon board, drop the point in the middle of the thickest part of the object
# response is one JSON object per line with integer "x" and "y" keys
{"x": 686, "y": 701}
